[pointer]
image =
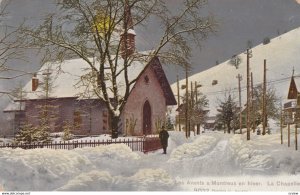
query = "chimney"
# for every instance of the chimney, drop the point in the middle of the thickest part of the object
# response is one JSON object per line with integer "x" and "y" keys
{"x": 35, "y": 82}
{"x": 127, "y": 46}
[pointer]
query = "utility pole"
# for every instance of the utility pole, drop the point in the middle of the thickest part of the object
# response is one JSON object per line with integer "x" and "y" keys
{"x": 186, "y": 100}
{"x": 297, "y": 119}
{"x": 239, "y": 77}
{"x": 196, "y": 94}
{"x": 252, "y": 121}
{"x": 289, "y": 135}
{"x": 249, "y": 55}
{"x": 191, "y": 118}
{"x": 178, "y": 101}
{"x": 264, "y": 108}
{"x": 281, "y": 121}
{"x": 296, "y": 138}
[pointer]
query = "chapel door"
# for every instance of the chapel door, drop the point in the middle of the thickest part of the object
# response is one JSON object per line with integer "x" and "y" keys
{"x": 147, "y": 118}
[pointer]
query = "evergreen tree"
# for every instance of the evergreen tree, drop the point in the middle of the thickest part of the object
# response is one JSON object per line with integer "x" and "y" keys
{"x": 30, "y": 134}
{"x": 169, "y": 125}
{"x": 228, "y": 113}
{"x": 27, "y": 134}
{"x": 67, "y": 131}
{"x": 46, "y": 114}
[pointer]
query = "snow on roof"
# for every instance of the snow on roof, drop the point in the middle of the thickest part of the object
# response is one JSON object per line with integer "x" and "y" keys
{"x": 69, "y": 78}
{"x": 282, "y": 55}
{"x": 14, "y": 107}
{"x": 131, "y": 31}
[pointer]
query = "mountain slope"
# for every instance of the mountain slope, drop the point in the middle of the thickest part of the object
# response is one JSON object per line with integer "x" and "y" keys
{"x": 282, "y": 55}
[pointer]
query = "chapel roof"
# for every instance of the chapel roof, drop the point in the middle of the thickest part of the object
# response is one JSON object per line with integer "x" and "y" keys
{"x": 68, "y": 79}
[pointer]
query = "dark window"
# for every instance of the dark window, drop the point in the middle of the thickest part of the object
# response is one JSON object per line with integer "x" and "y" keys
{"x": 146, "y": 79}
{"x": 105, "y": 119}
{"x": 77, "y": 119}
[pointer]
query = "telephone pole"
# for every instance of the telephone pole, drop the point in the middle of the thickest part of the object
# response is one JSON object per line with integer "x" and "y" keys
{"x": 249, "y": 55}
{"x": 191, "y": 118}
{"x": 289, "y": 135}
{"x": 296, "y": 137}
{"x": 264, "y": 108}
{"x": 252, "y": 121}
{"x": 197, "y": 104}
{"x": 239, "y": 77}
{"x": 281, "y": 121}
{"x": 297, "y": 119}
{"x": 178, "y": 101}
{"x": 186, "y": 100}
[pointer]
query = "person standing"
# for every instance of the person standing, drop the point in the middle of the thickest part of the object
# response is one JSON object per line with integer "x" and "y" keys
{"x": 163, "y": 136}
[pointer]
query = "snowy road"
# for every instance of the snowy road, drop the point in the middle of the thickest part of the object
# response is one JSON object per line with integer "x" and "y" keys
{"x": 213, "y": 160}
{"x": 116, "y": 167}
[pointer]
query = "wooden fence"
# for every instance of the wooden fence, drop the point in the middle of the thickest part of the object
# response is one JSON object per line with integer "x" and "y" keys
{"x": 145, "y": 145}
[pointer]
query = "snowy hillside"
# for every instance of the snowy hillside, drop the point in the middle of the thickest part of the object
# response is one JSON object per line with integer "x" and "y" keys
{"x": 213, "y": 158}
{"x": 282, "y": 54}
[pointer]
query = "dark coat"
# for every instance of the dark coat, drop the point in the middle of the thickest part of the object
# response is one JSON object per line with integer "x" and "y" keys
{"x": 164, "y": 135}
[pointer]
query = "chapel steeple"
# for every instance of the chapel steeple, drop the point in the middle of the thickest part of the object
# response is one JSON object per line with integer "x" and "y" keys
{"x": 127, "y": 46}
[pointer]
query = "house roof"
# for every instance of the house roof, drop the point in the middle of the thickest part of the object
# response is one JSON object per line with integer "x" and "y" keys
{"x": 163, "y": 81}
{"x": 15, "y": 107}
{"x": 293, "y": 89}
{"x": 69, "y": 79}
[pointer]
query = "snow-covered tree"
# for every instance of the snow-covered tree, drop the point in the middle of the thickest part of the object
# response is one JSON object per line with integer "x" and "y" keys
{"x": 67, "y": 128}
{"x": 273, "y": 104}
{"x": 29, "y": 134}
{"x": 97, "y": 32}
{"x": 197, "y": 103}
{"x": 169, "y": 124}
{"x": 228, "y": 112}
{"x": 46, "y": 115}
{"x": 47, "y": 109}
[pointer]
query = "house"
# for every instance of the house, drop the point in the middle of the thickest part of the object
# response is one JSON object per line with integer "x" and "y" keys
{"x": 291, "y": 108}
{"x": 210, "y": 123}
{"x": 72, "y": 101}
{"x": 146, "y": 104}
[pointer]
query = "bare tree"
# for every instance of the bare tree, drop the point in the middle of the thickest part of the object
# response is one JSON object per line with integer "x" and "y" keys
{"x": 11, "y": 44}
{"x": 235, "y": 61}
{"x": 273, "y": 108}
{"x": 97, "y": 31}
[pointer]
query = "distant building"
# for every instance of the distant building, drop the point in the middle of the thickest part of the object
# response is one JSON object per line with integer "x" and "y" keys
{"x": 210, "y": 122}
{"x": 291, "y": 108}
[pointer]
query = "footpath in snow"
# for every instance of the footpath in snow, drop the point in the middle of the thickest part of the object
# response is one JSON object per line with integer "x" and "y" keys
{"x": 210, "y": 161}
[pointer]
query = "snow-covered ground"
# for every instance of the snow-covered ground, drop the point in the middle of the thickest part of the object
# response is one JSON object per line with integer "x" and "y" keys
{"x": 282, "y": 55}
{"x": 221, "y": 161}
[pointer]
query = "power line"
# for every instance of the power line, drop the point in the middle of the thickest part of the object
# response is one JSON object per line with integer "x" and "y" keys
{"x": 235, "y": 89}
